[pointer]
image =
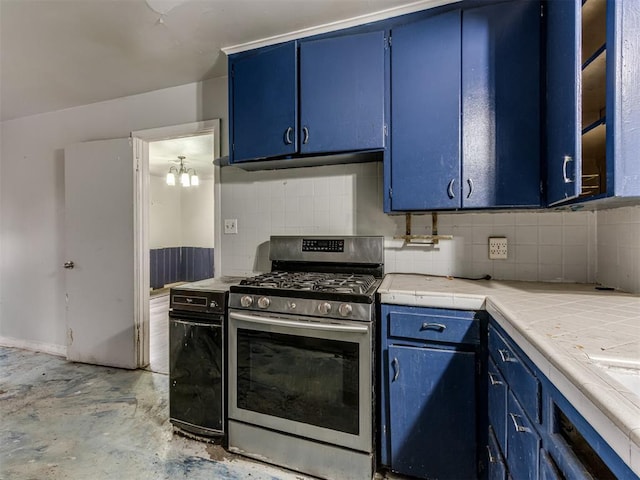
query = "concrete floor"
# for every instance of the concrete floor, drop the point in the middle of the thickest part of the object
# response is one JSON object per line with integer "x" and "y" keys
{"x": 63, "y": 420}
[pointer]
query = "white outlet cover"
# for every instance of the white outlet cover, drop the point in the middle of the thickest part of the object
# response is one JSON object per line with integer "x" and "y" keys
{"x": 230, "y": 225}
{"x": 498, "y": 248}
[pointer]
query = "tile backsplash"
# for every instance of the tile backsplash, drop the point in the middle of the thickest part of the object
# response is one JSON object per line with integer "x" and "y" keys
{"x": 618, "y": 246}
{"x": 347, "y": 200}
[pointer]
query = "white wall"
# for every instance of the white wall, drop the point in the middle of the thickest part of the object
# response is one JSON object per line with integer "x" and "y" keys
{"x": 197, "y": 215}
{"x": 32, "y": 292}
{"x": 618, "y": 245}
{"x": 165, "y": 207}
{"x": 181, "y": 217}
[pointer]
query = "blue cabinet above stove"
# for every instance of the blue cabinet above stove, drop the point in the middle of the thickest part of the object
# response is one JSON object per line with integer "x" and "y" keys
{"x": 308, "y": 97}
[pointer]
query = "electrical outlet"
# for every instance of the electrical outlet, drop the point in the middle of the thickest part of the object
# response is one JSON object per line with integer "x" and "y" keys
{"x": 497, "y": 248}
{"x": 230, "y": 226}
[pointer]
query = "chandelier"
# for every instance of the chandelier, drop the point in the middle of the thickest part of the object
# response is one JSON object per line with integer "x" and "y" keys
{"x": 188, "y": 176}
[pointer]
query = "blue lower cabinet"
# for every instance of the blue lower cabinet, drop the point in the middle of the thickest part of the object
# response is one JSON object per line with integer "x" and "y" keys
{"x": 432, "y": 412}
{"x": 523, "y": 443}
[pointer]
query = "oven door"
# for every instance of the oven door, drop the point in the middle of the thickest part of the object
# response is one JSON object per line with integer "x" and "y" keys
{"x": 304, "y": 376}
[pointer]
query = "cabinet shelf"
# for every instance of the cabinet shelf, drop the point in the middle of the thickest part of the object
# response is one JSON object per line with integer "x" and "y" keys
{"x": 594, "y": 91}
{"x": 594, "y": 27}
{"x": 594, "y": 153}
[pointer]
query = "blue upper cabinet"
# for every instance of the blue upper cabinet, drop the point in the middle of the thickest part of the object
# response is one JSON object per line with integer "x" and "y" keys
{"x": 593, "y": 89}
{"x": 340, "y": 84}
{"x": 342, "y": 93}
{"x": 425, "y": 114}
{"x": 501, "y": 131}
{"x": 263, "y": 101}
{"x": 465, "y": 98}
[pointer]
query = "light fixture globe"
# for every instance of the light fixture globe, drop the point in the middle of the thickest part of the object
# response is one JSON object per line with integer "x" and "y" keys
{"x": 188, "y": 176}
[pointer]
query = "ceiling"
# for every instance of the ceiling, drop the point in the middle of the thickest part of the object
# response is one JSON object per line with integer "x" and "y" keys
{"x": 198, "y": 151}
{"x": 57, "y": 54}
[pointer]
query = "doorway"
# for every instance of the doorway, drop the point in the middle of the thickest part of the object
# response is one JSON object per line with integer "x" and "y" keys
{"x": 176, "y": 235}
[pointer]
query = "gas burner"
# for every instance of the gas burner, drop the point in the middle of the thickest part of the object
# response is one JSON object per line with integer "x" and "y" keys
{"x": 313, "y": 281}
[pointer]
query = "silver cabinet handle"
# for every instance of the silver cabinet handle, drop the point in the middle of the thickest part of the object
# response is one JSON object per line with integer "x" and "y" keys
{"x": 396, "y": 369}
{"x": 69, "y": 265}
{"x": 305, "y": 135}
{"x": 437, "y": 326}
{"x": 492, "y": 459}
{"x": 287, "y": 136}
{"x": 518, "y": 427}
{"x": 506, "y": 356}
{"x": 493, "y": 380}
{"x": 470, "y": 183}
{"x": 450, "y": 188}
{"x": 566, "y": 160}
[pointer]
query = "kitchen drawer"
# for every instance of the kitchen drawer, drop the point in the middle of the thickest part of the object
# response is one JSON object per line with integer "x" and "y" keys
{"x": 519, "y": 378}
{"x": 497, "y": 394}
{"x": 496, "y": 468}
{"x": 436, "y": 328}
{"x": 523, "y": 443}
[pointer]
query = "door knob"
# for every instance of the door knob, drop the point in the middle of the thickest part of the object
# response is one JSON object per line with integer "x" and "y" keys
{"x": 69, "y": 265}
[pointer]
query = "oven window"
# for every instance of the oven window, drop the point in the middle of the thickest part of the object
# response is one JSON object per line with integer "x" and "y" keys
{"x": 307, "y": 380}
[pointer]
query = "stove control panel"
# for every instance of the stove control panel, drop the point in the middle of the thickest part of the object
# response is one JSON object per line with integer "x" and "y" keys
{"x": 322, "y": 245}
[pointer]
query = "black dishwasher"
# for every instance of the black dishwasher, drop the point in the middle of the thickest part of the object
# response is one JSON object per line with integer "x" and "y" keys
{"x": 197, "y": 392}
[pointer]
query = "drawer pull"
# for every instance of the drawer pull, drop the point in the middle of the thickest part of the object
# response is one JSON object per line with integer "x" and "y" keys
{"x": 492, "y": 459}
{"x": 435, "y": 326}
{"x": 396, "y": 369}
{"x": 518, "y": 427}
{"x": 493, "y": 380}
{"x": 505, "y": 355}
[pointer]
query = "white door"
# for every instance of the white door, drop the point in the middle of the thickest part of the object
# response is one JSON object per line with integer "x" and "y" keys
{"x": 99, "y": 227}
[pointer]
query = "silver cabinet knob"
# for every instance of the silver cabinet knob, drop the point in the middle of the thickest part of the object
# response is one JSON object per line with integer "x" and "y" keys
{"x": 264, "y": 302}
{"x": 246, "y": 301}
{"x": 324, "y": 308}
{"x": 69, "y": 265}
{"x": 345, "y": 309}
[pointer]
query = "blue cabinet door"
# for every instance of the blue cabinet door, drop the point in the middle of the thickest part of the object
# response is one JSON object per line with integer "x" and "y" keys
{"x": 501, "y": 139}
{"x": 263, "y": 103}
{"x": 342, "y": 92}
{"x": 425, "y": 114}
{"x": 564, "y": 149}
{"x": 432, "y": 412}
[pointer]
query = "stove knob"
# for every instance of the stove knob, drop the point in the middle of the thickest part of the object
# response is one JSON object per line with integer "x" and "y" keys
{"x": 324, "y": 308}
{"x": 246, "y": 301}
{"x": 345, "y": 309}
{"x": 291, "y": 305}
{"x": 264, "y": 302}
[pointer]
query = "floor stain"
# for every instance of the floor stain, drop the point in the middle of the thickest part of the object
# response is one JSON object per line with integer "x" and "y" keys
{"x": 63, "y": 420}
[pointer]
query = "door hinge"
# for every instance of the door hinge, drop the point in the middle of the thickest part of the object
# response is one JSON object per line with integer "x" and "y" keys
{"x": 387, "y": 42}
{"x": 541, "y": 10}
{"x": 541, "y": 186}
{"x": 233, "y": 147}
{"x": 385, "y": 130}
{"x": 390, "y": 192}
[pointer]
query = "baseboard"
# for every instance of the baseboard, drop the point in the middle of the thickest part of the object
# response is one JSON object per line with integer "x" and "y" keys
{"x": 50, "y": 348}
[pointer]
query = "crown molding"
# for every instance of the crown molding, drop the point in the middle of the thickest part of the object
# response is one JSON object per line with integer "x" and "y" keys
{"x": 339, "y": 25}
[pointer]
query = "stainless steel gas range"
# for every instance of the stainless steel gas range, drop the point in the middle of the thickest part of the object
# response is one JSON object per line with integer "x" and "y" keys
{"x": 301, "y": 367}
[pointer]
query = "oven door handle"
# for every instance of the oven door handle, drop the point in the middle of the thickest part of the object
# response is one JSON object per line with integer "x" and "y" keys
{"x": 327, "y": 327}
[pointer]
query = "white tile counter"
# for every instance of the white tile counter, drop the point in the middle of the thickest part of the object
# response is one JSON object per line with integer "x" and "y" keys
{"x": 571, "y": 332}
